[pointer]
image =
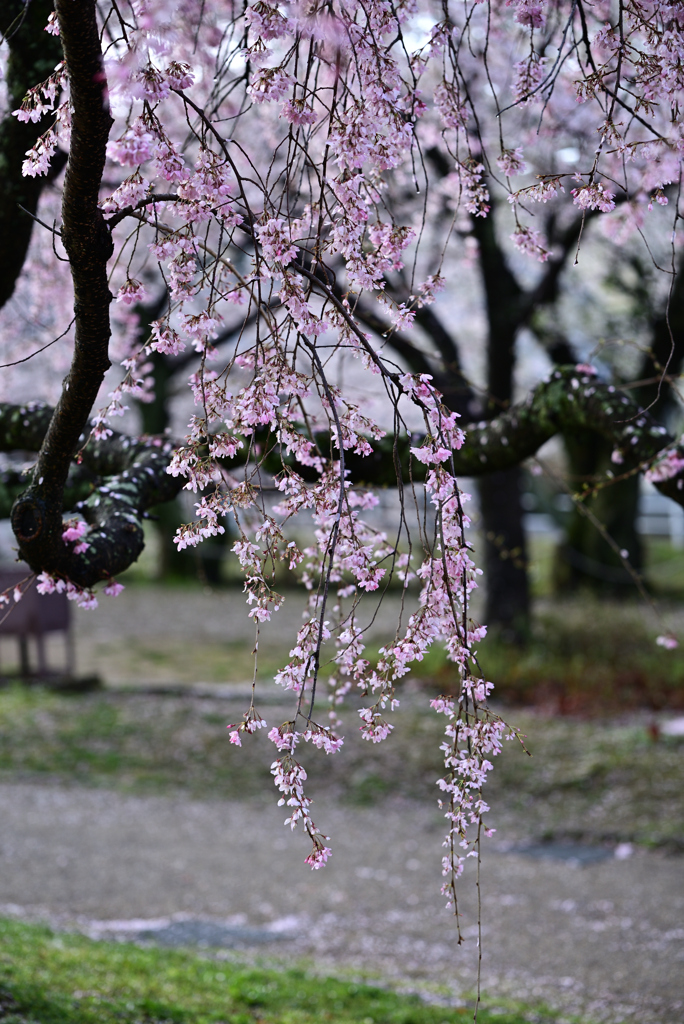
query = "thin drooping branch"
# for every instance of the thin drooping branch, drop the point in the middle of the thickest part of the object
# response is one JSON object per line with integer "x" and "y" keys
{"x": 37, "y": 515}
{"x": 129, "y": 475}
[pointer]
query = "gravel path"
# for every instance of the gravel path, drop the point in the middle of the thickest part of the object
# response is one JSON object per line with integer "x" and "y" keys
{"x": 605, "y": 939}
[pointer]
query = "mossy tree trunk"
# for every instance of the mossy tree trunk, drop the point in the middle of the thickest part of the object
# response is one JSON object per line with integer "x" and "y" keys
{"x": 507, "y": 605}
{"x": 206, "y": 561}
{"x": 585, "y": 560}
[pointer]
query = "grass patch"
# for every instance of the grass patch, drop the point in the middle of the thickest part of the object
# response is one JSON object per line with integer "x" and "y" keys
{"x": 584, "y": 657}
{"x": 601, "y": 780}
{"x": 48, "y": 978}
{"x": 133, "y": 743}
{"x": 164, "y": 658}
{"x": 663, "y": 567}
{"x": 593, "y": 781}
{"x": 589, "y": 657}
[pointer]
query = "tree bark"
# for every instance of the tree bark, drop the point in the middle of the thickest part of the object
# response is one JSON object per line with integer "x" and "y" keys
{"x": 33, "y": 54}
{"x": 507, "y": 608}
{"x": 586, "y": 560}
{"x": 507, "y": 603}
{"x": 37, "y": 515}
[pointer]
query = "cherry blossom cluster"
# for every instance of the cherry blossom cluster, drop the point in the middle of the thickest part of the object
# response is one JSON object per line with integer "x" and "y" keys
{"x": 12, "y": 595}
{"x": 368, "y": 129}
{"x": 473, "y": 736}
{"x": 531, "y": 242}
{"x": 38, "y": 101}
{"x": 668, "y": 466}
{"x": 84, "y": 597}
{"x": 250, "y": 723}
{"x": 289, "y": 777}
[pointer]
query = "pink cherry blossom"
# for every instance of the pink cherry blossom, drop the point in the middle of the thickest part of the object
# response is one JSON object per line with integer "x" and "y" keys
{"x": 669, "y": 642}
{"x": 75, "y": 530}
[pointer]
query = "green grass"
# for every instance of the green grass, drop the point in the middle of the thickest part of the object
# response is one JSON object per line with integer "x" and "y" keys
{"x": 48, "y": 978}
{"x": 664, "y": 568}
{"x": 590, "y": 656}
{"x": 140, "y": 744}
{"x": 584, "y": 657}
{"x": 161, "y": 658}
{"x": 593, "y": 781}
{"x": 599, "y": 780}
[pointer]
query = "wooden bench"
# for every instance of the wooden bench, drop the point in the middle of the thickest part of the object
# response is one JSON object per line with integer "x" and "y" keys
{"x": 34, "y": 616}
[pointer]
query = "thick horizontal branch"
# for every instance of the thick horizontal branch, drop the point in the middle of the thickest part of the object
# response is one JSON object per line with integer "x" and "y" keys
{"x": 119, "y": 479}
{"x": 129, "y": 475}
{"x": 570, "y": 401}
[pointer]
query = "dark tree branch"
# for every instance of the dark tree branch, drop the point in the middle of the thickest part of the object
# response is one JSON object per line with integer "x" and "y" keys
{"x": 23, "y": 427}
{"x": 440, "y": 337}
{"x": 568, "y": 402}
{"x": 667, "y": 346}
{"x": 33, "y": 55}
{"x": 448, "y": 376}
{"x": 545, "y": 292}
{"x": 414, "y": 356}
{"x": 37, "y": 515}
{"x": 503, "y": 298}
{"x": 124, "y": 475}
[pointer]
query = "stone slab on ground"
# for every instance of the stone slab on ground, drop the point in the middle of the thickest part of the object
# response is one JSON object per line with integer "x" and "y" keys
{"x": 605, "y": 939}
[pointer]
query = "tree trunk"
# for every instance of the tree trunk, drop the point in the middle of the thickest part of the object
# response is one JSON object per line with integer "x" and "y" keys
{"x": 586, "y": 560}
{"x": 206, "y": 561}
{"x": 33, "y": 55}
{"x": 507, "y": 607}
{"x": 506, "y": 582}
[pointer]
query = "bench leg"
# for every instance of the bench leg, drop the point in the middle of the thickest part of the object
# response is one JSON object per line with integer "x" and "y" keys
{"x": 40, "y": 649}
{"x": 24, "y": 666}
{"x": 70, "y": 654}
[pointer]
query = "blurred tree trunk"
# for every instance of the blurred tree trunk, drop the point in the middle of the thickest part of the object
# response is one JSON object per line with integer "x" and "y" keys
{"x": 155, "y": 417}
{"x": 585, "y": 560}
{"x": 507, "y": 608}
{"x": 33, "y": 55}
{"x": 508, "y": 597}
{"x": 205, "y": 561}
